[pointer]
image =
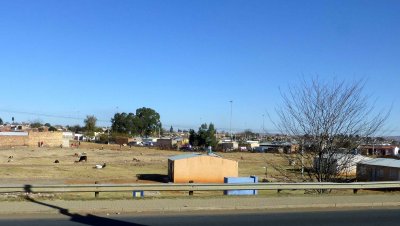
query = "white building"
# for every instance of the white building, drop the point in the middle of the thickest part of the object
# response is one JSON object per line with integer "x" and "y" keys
{"x": 340, "y": 163}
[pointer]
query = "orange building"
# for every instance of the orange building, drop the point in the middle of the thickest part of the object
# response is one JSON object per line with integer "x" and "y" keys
{"x": 201, "y": 168}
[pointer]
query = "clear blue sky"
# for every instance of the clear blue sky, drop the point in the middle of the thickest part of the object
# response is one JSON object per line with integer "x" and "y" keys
{"x": 188, "y": 59}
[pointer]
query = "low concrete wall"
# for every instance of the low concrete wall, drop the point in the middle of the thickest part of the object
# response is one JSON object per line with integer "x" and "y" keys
{"x": 49, "y": 139}
{"x": 18, "y": 140}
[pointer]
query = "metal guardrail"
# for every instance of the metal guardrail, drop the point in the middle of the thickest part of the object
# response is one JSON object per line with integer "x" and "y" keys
{"x": 195, "y": 187}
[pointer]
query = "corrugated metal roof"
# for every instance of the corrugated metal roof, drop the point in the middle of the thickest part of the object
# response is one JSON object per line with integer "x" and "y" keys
{"x": 184, "y": 156}
{"x": 382, "y": 162}
{"x": 276, "y": 143}
{"x": 192, "y": 155}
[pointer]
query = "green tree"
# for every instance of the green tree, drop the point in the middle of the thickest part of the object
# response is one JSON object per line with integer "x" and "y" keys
{"x": 118, "y": 123}
{"x": 130, "y": 124}
{"x": 124, "y": 123}
{"x": 36, "y": 124}
{"x": 193, "y": 138}
{"x": 249, "y": 134}
{"x": 1, "y": 121}
{"x": 52, "y": 128}
{"x": 147, "y": 122}
{"x": 75, "y": 128}
{"x": 202, "y": 134}
{"x": 211, "y": 139}
{"x": 204, "y": 137}
{"x": 90, "y": 124}
{"x": 171, "y": 130}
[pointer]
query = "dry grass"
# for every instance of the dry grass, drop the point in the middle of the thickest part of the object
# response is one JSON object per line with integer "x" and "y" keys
{"x": 36, "y": 166}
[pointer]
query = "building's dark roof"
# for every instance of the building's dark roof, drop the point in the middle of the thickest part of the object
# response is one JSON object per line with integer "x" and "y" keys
{"x": 389, "y": 147}
{"x": 276, "y": 144}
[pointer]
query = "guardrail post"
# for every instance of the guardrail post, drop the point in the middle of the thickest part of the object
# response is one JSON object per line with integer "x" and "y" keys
{"x": 355, "y": 191}
{"x": 191, "y": 192}
{"x": 96, "y": 194}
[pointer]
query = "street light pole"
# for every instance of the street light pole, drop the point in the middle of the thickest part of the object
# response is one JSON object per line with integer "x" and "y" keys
{"x": 230, "y": 121}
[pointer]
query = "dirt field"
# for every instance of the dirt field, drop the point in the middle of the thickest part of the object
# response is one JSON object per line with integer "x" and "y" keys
{"x": 36, "y": 165}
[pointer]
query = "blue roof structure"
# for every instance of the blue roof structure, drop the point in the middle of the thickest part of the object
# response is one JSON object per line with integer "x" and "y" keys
{"x": 192, "y": 155}
{"x": 382, "y": 162}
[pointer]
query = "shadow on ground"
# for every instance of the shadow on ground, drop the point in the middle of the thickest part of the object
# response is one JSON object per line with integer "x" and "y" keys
{"x": 88, "y": 219}
{"x": 162, "y": 178}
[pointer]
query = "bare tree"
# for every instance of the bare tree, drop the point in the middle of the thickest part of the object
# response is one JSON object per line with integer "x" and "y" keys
{"x": 90, "y": 125}
{"x": 329, "y": 119}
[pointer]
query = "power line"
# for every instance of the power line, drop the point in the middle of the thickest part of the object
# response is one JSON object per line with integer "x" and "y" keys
{"x": 48, "y": 115}
{"x": 230, "y": 129}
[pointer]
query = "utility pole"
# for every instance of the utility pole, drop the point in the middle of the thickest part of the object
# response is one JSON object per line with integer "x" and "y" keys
{"x": 302, "y": 161}
{"x": 373, "y": 146}
{"x": 108, "y": 135}
{"x": 230, "y": 121}
{"x": 263, "y": 124}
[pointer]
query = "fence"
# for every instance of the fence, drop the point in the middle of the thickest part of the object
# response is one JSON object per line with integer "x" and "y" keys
{"x": 96, "y": 188}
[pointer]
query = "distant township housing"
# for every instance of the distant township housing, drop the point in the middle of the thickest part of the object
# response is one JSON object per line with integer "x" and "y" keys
{"x": 379, "y": 149}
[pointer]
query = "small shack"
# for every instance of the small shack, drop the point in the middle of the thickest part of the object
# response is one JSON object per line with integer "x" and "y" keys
{"x": 124, "y": 140}
{"x": 278, "y": 147}
{"x": 169, "y": 143}
{"x": 200, "y": 168}
{"x": 379, "y": 169}
{"x": 228, "y": 145}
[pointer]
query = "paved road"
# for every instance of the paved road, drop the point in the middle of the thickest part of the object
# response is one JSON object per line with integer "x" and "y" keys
{"x": 366, "y": 217}
{"x": 31, "y": 205}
